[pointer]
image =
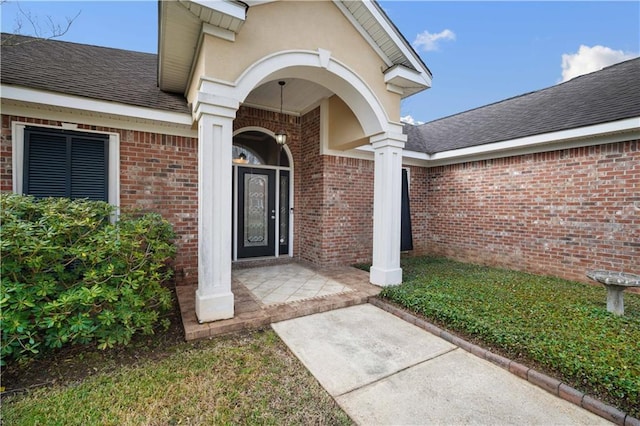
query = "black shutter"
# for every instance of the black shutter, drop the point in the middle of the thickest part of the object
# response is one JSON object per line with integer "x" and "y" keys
{"x": 89, "y": 171}
{"x": 45, "y": 165}
{"x": 60, "y": 163}
{"x": 406, "y": 238}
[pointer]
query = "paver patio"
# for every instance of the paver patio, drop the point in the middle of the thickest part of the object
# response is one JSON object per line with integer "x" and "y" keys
{"x": 271, "y": 292}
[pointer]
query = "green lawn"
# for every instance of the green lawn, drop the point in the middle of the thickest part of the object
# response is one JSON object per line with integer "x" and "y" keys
{"x": 240, "y": 379}
{"x": 559, "y": 326}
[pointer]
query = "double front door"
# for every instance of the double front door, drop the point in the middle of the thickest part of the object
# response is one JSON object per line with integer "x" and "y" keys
{"x": 262, "y": 219}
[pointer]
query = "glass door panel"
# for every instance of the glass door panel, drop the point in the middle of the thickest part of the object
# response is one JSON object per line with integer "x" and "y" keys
{"x": 283, "y": 207}
{"x": 256, "y": 212}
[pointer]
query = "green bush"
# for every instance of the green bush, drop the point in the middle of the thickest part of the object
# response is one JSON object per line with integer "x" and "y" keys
{"x": 70, "y": 276}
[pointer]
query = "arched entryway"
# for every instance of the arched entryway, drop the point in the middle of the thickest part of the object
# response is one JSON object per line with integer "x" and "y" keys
{"x": 262, "y": 196}
{"x": 216, "y": 108}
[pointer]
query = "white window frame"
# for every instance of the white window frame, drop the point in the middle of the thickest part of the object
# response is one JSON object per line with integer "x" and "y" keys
{"x": 17, "y": 145}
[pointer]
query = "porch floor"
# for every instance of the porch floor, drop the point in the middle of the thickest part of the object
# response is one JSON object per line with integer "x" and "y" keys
{"x": 277, "y": 292}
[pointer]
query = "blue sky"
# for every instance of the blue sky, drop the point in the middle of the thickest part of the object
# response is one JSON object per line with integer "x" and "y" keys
{"x": 479, "y": 52}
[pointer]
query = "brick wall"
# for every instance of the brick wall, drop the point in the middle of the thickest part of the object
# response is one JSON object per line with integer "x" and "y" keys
{"x": 347, "y": 210}
{"x": 309, "y": 209}
{"x": 336, "y": 210}
{"x": 157, "y": 173}
{"x": 555, "y": 213}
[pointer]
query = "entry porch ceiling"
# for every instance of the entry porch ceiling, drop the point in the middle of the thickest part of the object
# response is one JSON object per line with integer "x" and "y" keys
{"x": 180, "y": 27}
{"x": 299, "y": 96}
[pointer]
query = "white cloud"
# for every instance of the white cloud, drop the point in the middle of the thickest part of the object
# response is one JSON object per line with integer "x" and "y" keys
{"x": 426, "y": 41}
{"x": 589, "y": 59}
{"x": 410, "y": 120}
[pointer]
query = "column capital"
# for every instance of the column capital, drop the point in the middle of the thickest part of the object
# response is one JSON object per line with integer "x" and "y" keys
{"x": 210, "y": 104}
{"x": 393, "y": 139}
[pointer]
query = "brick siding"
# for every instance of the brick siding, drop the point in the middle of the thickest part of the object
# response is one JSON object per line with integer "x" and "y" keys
{"x": 158, "y": 173}
{"x": 554, "y": 213}
{"x": 336, "y": 210}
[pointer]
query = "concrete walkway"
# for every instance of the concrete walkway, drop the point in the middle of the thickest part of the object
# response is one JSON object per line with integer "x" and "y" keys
{"x": 385, "y": 371}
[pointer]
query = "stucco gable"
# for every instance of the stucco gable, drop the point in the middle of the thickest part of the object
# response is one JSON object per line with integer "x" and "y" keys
{"x": 183, "y": 27}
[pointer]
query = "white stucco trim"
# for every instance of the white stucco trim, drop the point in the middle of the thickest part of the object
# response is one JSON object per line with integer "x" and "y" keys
{"x": 127, "y": 112}
{"x": 598, "y": 134}
{"x": 17, "y": 146}
{"x": 402, "y": 78}
{"x": 308, "y": 65}
{"x": 216, "y": 32}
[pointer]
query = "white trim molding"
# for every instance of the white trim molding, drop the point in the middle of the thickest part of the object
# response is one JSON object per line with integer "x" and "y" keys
{"x": 306, "y": 65}
{"x": 127, "y": 112}
{"x": 597, "y": 134}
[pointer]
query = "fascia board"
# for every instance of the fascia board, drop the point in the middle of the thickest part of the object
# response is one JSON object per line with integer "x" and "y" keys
{"x": 93, "y": 105}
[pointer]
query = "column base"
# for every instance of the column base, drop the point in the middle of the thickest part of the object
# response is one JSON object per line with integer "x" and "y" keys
{"x": 385, "y": 277}
{"x": 214, "y": 307}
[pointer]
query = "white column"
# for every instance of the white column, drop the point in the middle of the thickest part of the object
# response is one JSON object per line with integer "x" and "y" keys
{"x": 387, "y": 207}
{"x": 214, "y": 299}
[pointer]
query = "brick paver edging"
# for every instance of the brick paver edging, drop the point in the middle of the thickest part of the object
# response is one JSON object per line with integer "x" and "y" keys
{"x": 543, "y": 381}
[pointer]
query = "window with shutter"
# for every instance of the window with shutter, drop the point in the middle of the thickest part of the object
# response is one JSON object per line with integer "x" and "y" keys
{"x": 61, "y": 163}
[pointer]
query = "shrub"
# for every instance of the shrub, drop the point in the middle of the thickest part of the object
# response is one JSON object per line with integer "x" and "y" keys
{"x": 70, "y": 276}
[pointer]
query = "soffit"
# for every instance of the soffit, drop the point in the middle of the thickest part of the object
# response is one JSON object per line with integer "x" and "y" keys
{"x": 299, "y": 96}
{"x": 362, "y": 13}
{"x": 180, "y": 25}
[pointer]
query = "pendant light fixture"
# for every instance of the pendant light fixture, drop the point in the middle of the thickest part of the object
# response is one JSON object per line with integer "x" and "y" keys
{"x": 281, "y": 135}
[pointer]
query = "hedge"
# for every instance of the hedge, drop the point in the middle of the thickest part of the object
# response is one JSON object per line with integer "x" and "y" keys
{"x": 72, "y": 277}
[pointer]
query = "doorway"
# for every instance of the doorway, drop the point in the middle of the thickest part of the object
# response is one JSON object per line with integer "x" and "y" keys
{"x": 262, "y": 197}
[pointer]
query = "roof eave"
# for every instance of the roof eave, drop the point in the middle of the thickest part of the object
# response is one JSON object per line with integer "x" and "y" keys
{"x": 227, "y": 16}
{"x": 406, "y": 81}
{"x": 406, "y": 73}
{"x": 596, "y": 134}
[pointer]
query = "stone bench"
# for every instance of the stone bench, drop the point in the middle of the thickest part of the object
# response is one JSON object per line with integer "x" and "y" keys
{"x": 616, "y": 283}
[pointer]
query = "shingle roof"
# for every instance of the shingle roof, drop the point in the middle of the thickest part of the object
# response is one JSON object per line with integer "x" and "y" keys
{"x": 608, "y": 95}
{"x": 89, "y": 71}
{"x": 131, "y": 78}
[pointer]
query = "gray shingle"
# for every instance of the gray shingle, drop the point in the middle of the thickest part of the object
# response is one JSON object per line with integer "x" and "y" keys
{"x": 131, "y": 78}
{"x": 608, "y": 95}
{"x": 89, "y": 71}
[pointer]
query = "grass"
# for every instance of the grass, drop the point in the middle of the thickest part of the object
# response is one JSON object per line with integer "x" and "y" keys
{"x": 559, "y": 326}
{"x": 247, "y": 378}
